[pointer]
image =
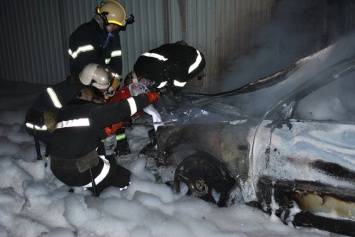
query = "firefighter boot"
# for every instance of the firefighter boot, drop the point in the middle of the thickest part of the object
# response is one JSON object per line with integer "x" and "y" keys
{"x": 122, "y": 146}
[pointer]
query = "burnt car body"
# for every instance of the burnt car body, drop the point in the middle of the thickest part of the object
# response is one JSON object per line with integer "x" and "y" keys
{"x": 285, "y": 143}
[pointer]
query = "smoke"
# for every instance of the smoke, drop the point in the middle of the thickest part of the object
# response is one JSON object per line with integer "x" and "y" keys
{"x": 293, "y": 33}
{"x": 292, "y": 40}
{"x": 334, "y": 64}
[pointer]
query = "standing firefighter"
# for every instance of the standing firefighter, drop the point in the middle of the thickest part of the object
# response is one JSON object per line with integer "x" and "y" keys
{"x": 98, "y": 41}
{"x": 77, "y": 153}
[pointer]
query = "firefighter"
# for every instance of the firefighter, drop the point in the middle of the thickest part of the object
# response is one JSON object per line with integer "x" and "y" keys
{"x": 169, "y": 67}
{"x": 40, "y": 119}
{"x": 165, "y": 69}
{"x": 98, "y": 41}
{"x": 77, "y": 154}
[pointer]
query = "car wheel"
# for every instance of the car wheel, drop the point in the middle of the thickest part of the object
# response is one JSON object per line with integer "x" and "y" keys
{"x": 205, "y": 177}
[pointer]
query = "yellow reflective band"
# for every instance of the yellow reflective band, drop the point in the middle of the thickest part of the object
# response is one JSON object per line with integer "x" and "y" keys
{"x": 54, "y": 97}
{"x": 116, "y": 53}
{"x": 103, "y": 173}
{"x": 196, "y": 63}
{"x": 179, "y": 84}
{"x": 83, "y": 122}
{"x": 155, "y": 55}
{"x": 162, "y": 84}
{"x": 132, "y": 105}
{"x": 81, "y": 49}
{"x": 107, "y": 60}
{"x": 32, "y": 126}
{"x": 115, "y": 22}
{"x": 120, "y": 137}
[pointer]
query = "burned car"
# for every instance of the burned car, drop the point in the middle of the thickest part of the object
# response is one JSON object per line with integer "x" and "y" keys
{"x": 285, "y": 143}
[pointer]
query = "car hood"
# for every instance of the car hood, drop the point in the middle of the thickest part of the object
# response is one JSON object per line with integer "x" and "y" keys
{"x": 255, "y": 99}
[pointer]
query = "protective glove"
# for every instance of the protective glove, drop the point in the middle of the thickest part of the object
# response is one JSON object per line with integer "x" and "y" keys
{"x": 152, "y": 97}
{"x": 155, "y": 115}
{"x": 50, "y": 120}
{"x": 109, "y": 93}
{"x": 113, "y": 128}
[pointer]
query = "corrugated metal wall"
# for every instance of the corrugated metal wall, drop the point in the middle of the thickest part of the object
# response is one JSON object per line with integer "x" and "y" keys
{"x": 34, "y": 38}
{"x": 27, "y": 37}
{"x": 224, "y": 29}
{"x": 35, "y": 33}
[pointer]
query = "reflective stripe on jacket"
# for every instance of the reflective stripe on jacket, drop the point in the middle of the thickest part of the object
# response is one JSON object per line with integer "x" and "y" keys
{"x": 87, "y": 45}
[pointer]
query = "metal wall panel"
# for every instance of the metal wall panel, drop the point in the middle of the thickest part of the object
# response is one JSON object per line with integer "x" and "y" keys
{"x": 222, "y": 30}
{"x": 35, "y": 33}
{"x": 30, "y": 41}
{"x": 145, "y": 33}
{"x": 34, "y": 39}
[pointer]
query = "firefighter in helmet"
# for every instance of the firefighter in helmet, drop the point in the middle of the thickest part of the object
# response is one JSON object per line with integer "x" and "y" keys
{"x": 41, "y": 117}
{"x": 98, "y": 41}
{"x": 169, "y": 67}
{"x": 77, "y": 154}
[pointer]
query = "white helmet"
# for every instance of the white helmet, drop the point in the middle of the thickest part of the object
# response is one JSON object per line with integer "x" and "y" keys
{"x": 96, "y": 75}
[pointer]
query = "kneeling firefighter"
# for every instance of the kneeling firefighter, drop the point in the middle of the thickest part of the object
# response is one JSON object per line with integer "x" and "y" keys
{"x": 40, "y": 119}
{"x": 77, "y": 153}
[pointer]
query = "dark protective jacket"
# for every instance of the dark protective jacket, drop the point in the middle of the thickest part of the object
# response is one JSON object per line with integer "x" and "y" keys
{"x": 87, "y": 45}
{"x": 58, "y": 95}
{"x": 50, "y": 100}
{"x": 170, "y": 62}
{"x": 79, "y": 133}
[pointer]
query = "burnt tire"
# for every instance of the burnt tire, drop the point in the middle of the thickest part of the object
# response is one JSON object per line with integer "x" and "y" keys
{"x": 206, "y": 178}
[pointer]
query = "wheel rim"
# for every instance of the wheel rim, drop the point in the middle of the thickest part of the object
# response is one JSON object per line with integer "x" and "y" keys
{"x": 205, "y": 177}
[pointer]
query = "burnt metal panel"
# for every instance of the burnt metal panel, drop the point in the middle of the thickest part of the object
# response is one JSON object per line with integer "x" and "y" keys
{"x": 224, "y": 141}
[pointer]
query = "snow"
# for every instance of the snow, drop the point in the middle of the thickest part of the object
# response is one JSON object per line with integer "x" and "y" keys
{"x": 34, "y": 203}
